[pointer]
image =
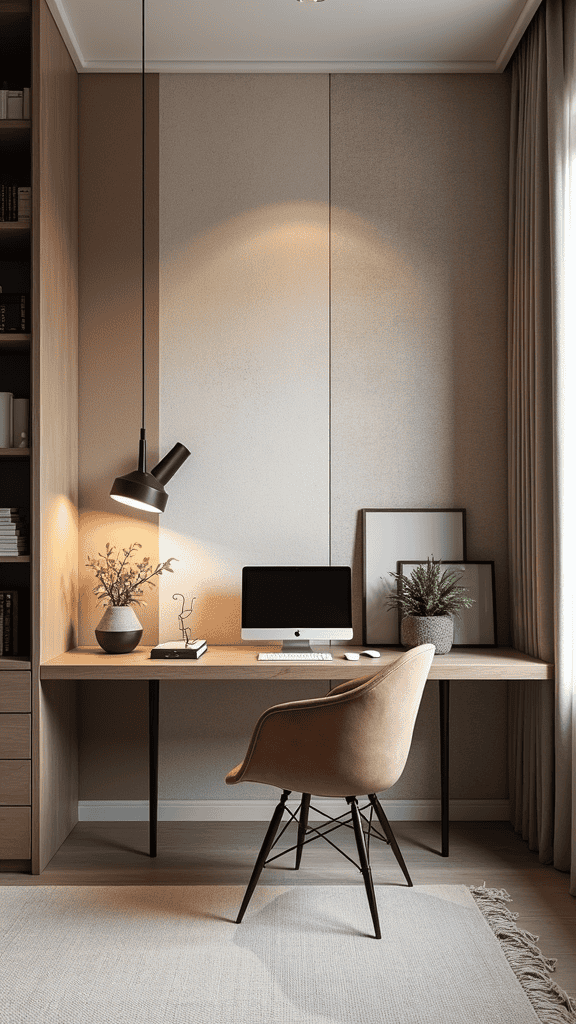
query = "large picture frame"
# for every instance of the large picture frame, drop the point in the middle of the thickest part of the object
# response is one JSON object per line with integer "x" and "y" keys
{"x": 475, "y": 626}
{"x": 391, "y": 535}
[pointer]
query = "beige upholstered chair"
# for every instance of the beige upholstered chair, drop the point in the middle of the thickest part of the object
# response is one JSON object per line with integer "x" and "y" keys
{"x": 352, "y": 742}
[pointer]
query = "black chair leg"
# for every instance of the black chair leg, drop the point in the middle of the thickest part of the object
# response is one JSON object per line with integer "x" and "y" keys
{"x": 364, "y": 863}
{"x": 302, "y": 826}
{"x": 389, "y": 834}
{"x": 264, "y": 851}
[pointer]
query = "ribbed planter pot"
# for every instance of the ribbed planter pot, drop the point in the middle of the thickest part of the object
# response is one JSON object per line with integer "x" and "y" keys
{"x": 119, "y": 630}
{"x": 433, "y": 629}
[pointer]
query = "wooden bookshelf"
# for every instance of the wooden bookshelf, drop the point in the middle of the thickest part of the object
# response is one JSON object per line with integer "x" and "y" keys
{"x": 12, "y": 341}
{"x": 14, "y": 229}
{"x": 18, "y": 7}
{"x": 15, "y": 373}
{"x": 10, "y": 125}
{"x": 14, "y": 664}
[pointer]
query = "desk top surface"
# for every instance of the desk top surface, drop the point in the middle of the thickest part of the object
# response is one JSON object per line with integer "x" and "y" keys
{"x": 238, "y": 663}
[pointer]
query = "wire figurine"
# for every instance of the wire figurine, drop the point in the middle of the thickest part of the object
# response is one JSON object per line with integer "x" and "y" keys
{"x": 184, "y": 614}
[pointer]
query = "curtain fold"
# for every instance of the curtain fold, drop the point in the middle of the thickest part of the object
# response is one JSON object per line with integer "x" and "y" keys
{"x": 541, "y": 517}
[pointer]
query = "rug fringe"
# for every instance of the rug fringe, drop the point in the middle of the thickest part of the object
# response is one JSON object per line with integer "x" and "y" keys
{"x": 550, "y": 1002}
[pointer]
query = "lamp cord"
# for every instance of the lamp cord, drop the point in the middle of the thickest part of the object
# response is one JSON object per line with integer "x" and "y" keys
{"x": 143, "y": 218}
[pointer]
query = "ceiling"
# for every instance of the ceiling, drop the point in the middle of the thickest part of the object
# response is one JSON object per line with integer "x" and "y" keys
{"x": 453, "y": 36}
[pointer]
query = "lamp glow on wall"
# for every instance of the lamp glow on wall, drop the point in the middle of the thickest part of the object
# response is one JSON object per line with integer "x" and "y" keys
{"x": 141, "y": 489}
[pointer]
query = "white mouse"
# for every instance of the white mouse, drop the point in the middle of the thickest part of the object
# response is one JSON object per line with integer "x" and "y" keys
{"x": 352, "y": 656}
{"x": 372, "y": 654}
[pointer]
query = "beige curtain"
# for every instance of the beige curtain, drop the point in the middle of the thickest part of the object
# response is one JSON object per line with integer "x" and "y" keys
{"x": 542, "y": 434}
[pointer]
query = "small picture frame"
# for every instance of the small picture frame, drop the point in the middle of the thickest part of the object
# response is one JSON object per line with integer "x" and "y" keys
{"x": 393, "y": 533}
{"x": 475, "y": 626}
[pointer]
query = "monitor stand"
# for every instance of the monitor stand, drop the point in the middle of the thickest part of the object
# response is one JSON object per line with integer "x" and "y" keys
{"x": 293, "y": 646}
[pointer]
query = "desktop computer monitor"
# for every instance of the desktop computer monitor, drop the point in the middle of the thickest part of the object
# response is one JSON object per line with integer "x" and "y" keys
{"x": 296, "y": 604}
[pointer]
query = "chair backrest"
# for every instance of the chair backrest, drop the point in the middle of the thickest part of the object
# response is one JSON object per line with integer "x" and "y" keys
{"x": 347, "y": 743}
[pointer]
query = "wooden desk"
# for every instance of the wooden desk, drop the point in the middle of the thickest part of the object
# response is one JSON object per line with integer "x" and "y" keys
{"x": 240, "y": 664}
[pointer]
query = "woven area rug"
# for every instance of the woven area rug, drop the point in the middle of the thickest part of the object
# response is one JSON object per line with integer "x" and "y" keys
{"x": 303, "y": 955}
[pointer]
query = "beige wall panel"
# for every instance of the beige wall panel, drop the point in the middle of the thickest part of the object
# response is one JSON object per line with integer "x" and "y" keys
{"x": 419, "y": 278}
{"x": 419, "y": 249}
{"x": 418, "y": 169}
{"x": 55, "y": 425}
{"x": 55, "y": 405}
{"x": 244, "y": 323}
{"x": 110, "y": 323}
{"x": 204, "y": 732}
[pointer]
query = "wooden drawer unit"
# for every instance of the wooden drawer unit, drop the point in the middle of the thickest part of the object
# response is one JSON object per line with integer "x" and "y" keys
{"x": 15, "y": 833}
{"x": 15, "y": 782}
{"x": 14, "y": 692}
{"x": 15, "y": 736}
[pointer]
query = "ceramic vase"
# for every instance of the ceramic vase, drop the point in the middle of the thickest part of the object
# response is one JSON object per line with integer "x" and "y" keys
{"x": 119, "y": 630}
{"x": 432, "y": 629}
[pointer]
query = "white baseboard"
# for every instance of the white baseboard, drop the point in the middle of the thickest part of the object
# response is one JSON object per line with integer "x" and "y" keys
{"x": 261, "y": 810}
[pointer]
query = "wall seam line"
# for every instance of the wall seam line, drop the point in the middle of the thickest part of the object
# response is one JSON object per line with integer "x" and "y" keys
{"x": 330, "y": 318}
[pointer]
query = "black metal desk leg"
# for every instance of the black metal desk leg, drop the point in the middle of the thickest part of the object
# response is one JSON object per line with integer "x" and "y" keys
{"x": 153, "y": 708}
{"x": 444, "y": 686}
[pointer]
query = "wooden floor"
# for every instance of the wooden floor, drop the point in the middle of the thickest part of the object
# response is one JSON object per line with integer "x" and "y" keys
{"x": 223, "y": 853}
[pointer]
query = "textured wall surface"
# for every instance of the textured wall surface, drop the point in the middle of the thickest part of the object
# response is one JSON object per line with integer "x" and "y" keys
{"x": 320, "y": 357}
{"x": 110, "y": 334}
{"x": 244, "y": 332}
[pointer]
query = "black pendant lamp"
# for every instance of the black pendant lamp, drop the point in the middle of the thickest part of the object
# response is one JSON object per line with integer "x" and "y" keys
{"x": 141, "y": 489}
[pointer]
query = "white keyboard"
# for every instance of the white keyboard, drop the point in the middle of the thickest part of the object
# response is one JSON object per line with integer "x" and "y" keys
{"x": 300, "y": 656}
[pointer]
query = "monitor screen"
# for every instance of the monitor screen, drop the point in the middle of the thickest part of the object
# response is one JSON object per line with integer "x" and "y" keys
{"x": 310, "y": 602}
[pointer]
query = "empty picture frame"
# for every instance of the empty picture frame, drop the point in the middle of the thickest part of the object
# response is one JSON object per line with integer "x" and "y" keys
{"x": 475, "y": 626}
{"x": 392, "y": 534}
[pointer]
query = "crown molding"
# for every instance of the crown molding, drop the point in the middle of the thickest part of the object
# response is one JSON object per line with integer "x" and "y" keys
{"x": 520, "y": 26}
{"x": 84, "y": 66}
{"x": 60, "y": 16}
{"x": 290, "y": 67}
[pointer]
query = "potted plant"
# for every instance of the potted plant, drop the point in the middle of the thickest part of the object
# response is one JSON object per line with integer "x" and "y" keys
{"x": 120, "y": 585}
{"x": 427, "y": 601}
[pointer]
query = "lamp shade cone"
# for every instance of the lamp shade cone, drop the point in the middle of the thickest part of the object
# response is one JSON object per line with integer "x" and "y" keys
{"x": 140, "y": 490}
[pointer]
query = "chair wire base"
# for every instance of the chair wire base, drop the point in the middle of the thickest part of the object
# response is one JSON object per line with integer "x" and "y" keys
{"x": 354, "y": 819}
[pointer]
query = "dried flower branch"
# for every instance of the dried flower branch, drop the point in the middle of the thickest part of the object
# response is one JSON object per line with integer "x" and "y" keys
{"x": 120, "y": 581}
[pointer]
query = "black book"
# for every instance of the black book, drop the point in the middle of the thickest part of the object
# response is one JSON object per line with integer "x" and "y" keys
{"x": 13, "y": 313}
{"x": 178, "y": 649}
{"x": 10, "y": 622}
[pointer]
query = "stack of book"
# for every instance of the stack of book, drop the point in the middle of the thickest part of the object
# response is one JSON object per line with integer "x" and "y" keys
{"x": 15, "y": 203}
{"x": 8, "y": 622}
{"x": 13, "y": 312}
{"x": 12, "y": 533}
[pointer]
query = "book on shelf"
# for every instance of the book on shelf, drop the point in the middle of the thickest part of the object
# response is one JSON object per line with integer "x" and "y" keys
{"x": 15, "y": 203}
{"x": 23, "y": 203}
{"x": 13, "y": 313}
{"x": 8, "y": 622}
{"x": 6, "y": 418}
{"x": 14, "y": 422}
{"x": 13, "y": 533}
{"x": 15, "y": 104}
